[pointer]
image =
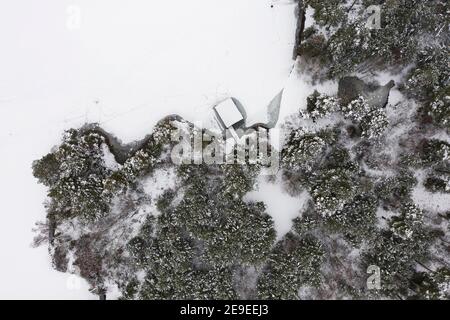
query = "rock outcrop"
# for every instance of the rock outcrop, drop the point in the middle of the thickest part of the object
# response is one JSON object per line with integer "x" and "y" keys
{"x": 350, "y": 88}
{"x": 300, "y": 13}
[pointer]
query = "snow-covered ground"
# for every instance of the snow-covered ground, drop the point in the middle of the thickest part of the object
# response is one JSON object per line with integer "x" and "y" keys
{"x": 124, "y": 64}
{"x": 282, "y": 207}
{"x": 156, "y": 184}
{"x": 433, "y": 202}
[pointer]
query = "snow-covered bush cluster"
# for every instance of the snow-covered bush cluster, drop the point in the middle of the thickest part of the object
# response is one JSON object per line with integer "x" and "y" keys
{"x": 320, "y": 105}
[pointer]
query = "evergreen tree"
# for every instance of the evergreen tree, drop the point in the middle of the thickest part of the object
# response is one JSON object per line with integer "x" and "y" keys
{"x": 356, "y": 220}
{"x": 302, "y": 151}
{"x": 294, "y": 262}
{"x": 75, "y": 174}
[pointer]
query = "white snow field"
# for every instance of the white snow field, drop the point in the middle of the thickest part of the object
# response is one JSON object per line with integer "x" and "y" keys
{"x": 125, "y": 65}
{"x": 282, "y": 207}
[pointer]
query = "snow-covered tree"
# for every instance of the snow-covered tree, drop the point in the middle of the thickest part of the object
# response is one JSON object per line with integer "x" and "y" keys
{"x": 332, "y": 190}
{"x": 432, "y": 285}
{"x": 302, "y": 151}
{"x": 396, "y": 258}
{"x": 75, "y": 174}
{"x": 294, "y": 262}
{"x": 439, "y": 110}
{"x": 351, "y": 46}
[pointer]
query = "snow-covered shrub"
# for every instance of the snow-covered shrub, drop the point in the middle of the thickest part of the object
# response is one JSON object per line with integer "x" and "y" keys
{"x": 374, "y": 124}
{"x": 320, "y": 105}
{"x": 75, "y": 173}
{"x": 435, "y": 152}
{"x": 356, "y": 110}
{"x": 356, "y": 220}
{"x": 406, "y": 224}
{"x": 393, "y": 191}
{"x": 438, "y": 183}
